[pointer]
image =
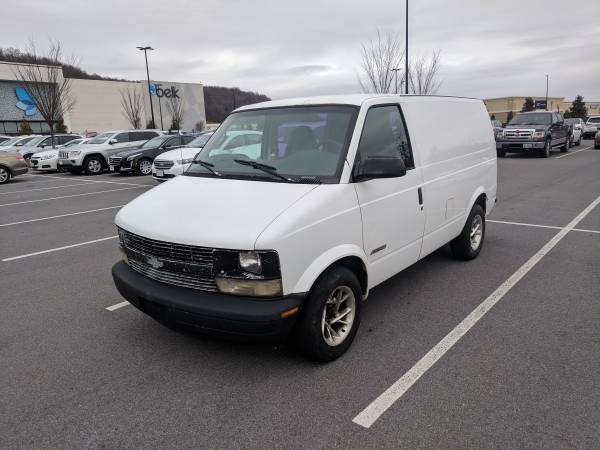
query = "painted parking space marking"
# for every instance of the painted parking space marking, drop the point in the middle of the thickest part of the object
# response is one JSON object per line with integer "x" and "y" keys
{"x": 89, "y": 211}
{"x": 44, "y": 189}
{"x": 552, "y": 227}
{"x": 117, "y": 306}
{"x": 96, "y": 181}
{"x": 52, "y": 250}
{"x": 72, "y": 195}
{"x": 574, "y": 153}
{"x": 381, "y": 404}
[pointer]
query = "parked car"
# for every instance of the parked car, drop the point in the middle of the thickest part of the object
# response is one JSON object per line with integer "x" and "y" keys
{"x": 591, "y": 126}
{"x": 496, "y": 126}
{"x": 539, "y": 131}
{"x": 92, "y": 157}
{"x": 597, "y": 140}
{"x": 4, "y": 138}
{"x": 576, "y": 126}
{"x": 345, "y": 192}
{"x": 17, "y": 142}
{"x": 47, "y": 160}
{"x": 12, "y": 164}
{"x": 75, "y": 142}
{"x": 175, "y": 162}
{"x": 140, "y": 159}
{"x": 39, "y": 143}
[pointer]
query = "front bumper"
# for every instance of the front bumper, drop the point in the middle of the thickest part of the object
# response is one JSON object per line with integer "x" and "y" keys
{"x": 208, "y": 312}
{"x": 167, "y": 174}
{"x": 519, "y": 146}
{"x": 44, "y": 164}
{"x": 70, "y": 163}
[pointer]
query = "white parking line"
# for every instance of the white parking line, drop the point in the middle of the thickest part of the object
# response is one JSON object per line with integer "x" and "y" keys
{"x": 44, "y": 189}
{"x": 13, "y": 258}
{"x": 69, "y": 196}
{"x": 60, "y": 215}
{"x": 573, "y": 153}
{"x": 381, "y": 404}
{"x": 583, "y": 230}
{"x": 117, "y": 306}
{"x": 95, "y": 181}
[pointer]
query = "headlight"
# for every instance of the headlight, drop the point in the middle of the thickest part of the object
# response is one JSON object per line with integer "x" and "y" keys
{"x": 250, "y": 262}
{"x": 500, "y": 134}
{"x": 539, "y": 134}
{"x": 251, "y": 273}
{"x": 74, "y": 153}
{"x": 46, "y": 157}
{"x": 184, "y": 161}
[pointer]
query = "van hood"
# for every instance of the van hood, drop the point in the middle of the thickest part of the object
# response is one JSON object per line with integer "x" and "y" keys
{"x": 209, "y": 212}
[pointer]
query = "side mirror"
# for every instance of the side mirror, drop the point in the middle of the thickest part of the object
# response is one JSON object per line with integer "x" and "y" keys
{"x": 380, "y": 167}
{"x": 112, "y": 141}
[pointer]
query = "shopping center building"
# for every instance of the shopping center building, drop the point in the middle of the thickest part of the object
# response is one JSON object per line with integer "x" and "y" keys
{"x": 98, "y": 104}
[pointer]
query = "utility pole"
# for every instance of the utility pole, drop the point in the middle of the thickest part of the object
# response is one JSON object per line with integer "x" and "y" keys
{"x": 395, "y": 70}
{"x": 145, "y": 50}
{"x": 546, "y": 92}
{"x": 406, "y": 53}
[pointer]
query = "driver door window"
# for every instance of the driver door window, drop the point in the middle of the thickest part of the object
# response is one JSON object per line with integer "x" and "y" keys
{"x": 122, "y": 137}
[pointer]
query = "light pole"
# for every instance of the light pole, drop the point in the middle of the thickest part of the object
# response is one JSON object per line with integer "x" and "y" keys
{"x": 145, "y": 50}
{"x": 546, "y": 92}
{"x": 395, "y": 70}
{"x": 406, "y": 52}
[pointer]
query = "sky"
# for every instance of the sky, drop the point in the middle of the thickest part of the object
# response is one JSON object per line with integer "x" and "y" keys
{"x": 285, "y": 48}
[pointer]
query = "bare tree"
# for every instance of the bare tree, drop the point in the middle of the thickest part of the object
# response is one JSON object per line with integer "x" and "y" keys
{"x": 423, "y": 75}
{"x": 379, "y": 57}
{"x": 132, "y": 106}
{"x": 176, "y": 110}
{"x": 45, "y": 84}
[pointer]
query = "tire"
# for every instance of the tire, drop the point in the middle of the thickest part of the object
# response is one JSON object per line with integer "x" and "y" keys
{"x": 501, "y": 153}
{"x": 545, "y": 152}
{"x": 93, "y": 165}
{"x": 311, "y": 334}
{"x": 4, "y": 175}
{"x": 566, "y": 146}
{"x": 470, "y": 241}
{"x": 144, "y": 166}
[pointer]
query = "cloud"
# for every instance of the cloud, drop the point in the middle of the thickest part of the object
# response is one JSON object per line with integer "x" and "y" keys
{"x": 312, "y": 47}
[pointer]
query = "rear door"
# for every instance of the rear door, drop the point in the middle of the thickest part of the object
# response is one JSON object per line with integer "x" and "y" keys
{"x": 391, "y": 208}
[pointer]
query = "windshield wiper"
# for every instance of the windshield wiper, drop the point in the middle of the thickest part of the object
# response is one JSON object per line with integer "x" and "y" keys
{"x": 265, "y": 168}
{"x": 208, "y": 166}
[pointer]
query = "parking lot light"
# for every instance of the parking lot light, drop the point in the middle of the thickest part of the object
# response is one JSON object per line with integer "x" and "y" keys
{"x": 145, "y": 50}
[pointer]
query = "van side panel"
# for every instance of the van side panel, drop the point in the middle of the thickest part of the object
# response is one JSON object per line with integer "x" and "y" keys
{"x": 457, "y": 152}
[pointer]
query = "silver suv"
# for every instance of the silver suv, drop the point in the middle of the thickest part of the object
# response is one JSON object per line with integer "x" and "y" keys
{"x": 92, "y": 157}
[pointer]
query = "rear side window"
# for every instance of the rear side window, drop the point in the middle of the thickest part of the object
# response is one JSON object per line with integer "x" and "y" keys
{"x": 384, "y": 135}
{"x": 594, "y": 120}
{"x": 186, "y": 139}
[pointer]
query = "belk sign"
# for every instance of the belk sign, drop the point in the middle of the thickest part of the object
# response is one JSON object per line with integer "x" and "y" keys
{"x": 157, "y": 90}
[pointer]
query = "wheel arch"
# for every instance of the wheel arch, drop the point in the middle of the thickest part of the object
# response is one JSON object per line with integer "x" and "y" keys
{"x": 99, "y": 155}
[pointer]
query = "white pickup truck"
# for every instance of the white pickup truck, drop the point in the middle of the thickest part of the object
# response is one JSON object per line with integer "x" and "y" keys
{"x": 344, "y": 193}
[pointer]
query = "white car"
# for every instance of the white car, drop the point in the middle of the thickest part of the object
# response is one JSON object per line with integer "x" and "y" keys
{"x": 175, "y": 162}
{"x": 346, "y": 192}
{"x": 591, "y": 126}
{"x": 4, "y": 139}
{"x": 577, "y": 130}
{"x": 93, "y": 156}
{"x": 27, "y": 148}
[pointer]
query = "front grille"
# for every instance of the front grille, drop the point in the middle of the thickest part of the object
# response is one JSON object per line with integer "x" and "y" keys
{"x": 62, "y": 154}
{"x": 114, "y": 160}
{"x": 177, "y": 264}
{"x": 518, "y": 134}
{"x": 161, "y": 164}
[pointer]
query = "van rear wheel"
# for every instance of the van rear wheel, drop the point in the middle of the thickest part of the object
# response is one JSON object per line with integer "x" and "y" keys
{"x": 468, "y": 244}
{"x": 331, "y": 315}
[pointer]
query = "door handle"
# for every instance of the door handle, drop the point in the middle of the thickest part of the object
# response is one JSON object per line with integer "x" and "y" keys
{"x": 420, "y": 192}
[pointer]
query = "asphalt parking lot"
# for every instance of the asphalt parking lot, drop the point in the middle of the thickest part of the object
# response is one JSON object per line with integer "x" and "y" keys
{"x": 82, "y": 369}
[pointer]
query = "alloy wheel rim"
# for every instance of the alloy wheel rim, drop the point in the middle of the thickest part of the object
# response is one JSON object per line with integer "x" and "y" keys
{"x": 94, "y": 166}
{"x": 476, "y": 232}
{"x": 3, "y": 175}
{"x": 338, "y": 315}
{"x": 145, "y": 167}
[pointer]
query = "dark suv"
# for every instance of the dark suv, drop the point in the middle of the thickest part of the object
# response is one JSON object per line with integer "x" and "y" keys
{"x": 539, "y": 131}
{"x": 139, "y": 159}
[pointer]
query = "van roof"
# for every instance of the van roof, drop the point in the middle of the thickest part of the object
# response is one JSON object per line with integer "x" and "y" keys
{"x": 352, "y": 99}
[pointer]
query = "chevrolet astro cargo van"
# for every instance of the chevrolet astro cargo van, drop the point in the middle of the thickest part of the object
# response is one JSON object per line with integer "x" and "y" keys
{"x": 287, "y": 236}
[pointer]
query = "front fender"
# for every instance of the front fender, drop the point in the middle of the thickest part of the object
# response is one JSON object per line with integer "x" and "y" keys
{"x": 324, "y": 261}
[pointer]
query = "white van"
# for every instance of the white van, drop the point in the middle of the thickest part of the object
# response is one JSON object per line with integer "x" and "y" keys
{"x": 346, "y": 192}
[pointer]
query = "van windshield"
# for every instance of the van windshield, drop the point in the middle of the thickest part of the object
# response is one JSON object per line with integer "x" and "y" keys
{"x": 295, "y": 144}
{"x": 532, "y": 119}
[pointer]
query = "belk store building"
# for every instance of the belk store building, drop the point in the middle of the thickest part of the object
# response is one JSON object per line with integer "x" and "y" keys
{"x": 98, "y": 104}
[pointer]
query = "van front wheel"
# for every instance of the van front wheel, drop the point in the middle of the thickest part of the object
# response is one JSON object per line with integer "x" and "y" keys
{"x": 330, "y": 316}
{"x": 468, "y": 244}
